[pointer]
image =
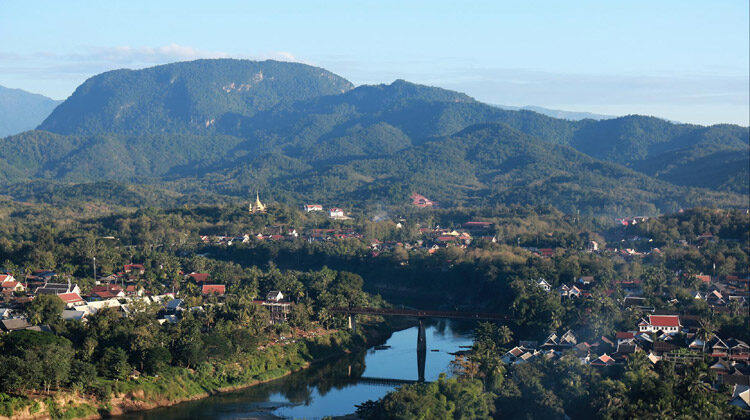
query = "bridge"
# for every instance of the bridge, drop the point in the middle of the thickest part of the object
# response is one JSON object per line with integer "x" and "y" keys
{"x": 420, "y": 315}
{"x": 416, "y": 313}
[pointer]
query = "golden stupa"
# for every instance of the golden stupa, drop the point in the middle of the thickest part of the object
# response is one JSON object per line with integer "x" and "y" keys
{"x": 257, "y": 206}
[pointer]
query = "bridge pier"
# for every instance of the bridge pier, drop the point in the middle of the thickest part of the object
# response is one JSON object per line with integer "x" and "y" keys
{"x": 421, "y": 336}
{"x": 352, "y": 323}
{"x": 421, "y": 350}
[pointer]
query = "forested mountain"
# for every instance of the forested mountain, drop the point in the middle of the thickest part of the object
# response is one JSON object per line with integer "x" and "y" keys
{"x": 21, "y": 110}
{"x": 224, "y": 127}
{"x": 186, "y": 96}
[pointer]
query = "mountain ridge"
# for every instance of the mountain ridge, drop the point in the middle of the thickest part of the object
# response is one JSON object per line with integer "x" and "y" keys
{"x": 21, "y": 110}
{"x": 226, "y": 136}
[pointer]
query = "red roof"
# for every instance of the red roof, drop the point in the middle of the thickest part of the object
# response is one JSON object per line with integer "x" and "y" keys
{"x": 664, "y": 320}
{"x": 199, "y": 277}
{"x": 4, "y": 277}
{"x": 218, "y": 289}
{"x": 106, "y": 288}
{"x": 624, "y": 335}
{"x": 9, "y": 284}
{"x": 70, "y": 297}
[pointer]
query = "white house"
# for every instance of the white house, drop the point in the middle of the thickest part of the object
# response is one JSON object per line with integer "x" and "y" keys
{"x": 275, "y": 296}
{"x": 665, "y": 323}
{"x": 335, "y": 212}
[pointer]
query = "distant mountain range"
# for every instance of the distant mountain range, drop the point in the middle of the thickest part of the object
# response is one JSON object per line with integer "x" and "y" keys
{"x": 22, "y": 111}
{"x": 210, "y": 128}
{"x": 557, "y": 113}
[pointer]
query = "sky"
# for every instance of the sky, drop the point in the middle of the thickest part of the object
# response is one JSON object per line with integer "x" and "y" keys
{"x": 685, "y": 60}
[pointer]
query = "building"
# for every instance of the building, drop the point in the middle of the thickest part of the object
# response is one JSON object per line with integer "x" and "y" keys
{"x": 278, "y": 309}
{"x": 257, "y": 206}
{"x": 419, "y": 200}
{"x": 275, "y": 296}
{"x": 665, "y": 323}
{"x": 313, "y": 207}
{"x": 57, "y": 289}
{"x": 215, "y": 289}
{"x": 336, "y": 213}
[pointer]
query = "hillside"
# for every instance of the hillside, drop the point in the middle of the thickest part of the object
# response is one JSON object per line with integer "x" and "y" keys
{"x": 21, "y": 110}
{"x": 213, "y": 128}
{"x": 186, "y": 97}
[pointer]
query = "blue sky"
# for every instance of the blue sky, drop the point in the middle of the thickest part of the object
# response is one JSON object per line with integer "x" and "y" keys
{"x": 682, "y": 60}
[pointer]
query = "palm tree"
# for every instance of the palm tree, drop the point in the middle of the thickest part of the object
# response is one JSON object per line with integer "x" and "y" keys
{"x": 505, "y": 334}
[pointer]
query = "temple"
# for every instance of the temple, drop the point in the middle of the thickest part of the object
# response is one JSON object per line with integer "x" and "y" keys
{"x": 257, "y": 206}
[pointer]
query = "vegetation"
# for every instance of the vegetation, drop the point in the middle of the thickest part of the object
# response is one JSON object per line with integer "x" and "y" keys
{"x": 207, "y": 130}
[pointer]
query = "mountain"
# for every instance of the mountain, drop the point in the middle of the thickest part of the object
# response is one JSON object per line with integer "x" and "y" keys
{"x": 213, "y": 128}
{"x": 186, "y": 97}
{"x": 21, "y": 110}
{"x": 558, "y": 113}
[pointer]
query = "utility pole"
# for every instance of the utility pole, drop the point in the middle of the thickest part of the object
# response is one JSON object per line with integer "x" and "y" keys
{"x": 94, "y": 270}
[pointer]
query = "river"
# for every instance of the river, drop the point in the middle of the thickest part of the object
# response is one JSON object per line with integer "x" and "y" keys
{"x": 331, "y": 388}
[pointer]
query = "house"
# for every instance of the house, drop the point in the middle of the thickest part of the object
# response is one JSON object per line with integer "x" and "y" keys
{"x": 73, "y": 315}
{"x": 546, "y": 252}
{"x": 550, "y": 342}
{"x": 716, "y": 347}
{"x": 585, "y": 280}
{"x": 106, "y": 291}
{"x": 57, "y": 289}
{"x": 567, "y": 291}
{"x": 134, "y": 268}
{"x": 174, "y": 305}
{"x": 313, "y": 207}
{"x": 198, "y": 277}
{"x": 738, "y": 349}
{"x": 279, "y": 310}
{"x": 133, "y": 290}
{"x": 14, "y": 324}
{"x": 665, "y": 323}
{"x": 6, "y": 313}
{"x": 10, "y": 284}
{"x": 335, "y": 213}
{"x": 544, "y": 285}
{"x": 568, "y": 339}
{"x": 215, "y": 289}
{"x": 741, "y": 397}
{"x": 274, "y": 296}
{"x": 603, "y": 361}
{"x": 721, "y": 367}
{"x": 71, "y": 299}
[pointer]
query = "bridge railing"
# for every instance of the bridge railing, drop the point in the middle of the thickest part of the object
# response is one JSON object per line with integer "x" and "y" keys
{"x": 420, "y": 313}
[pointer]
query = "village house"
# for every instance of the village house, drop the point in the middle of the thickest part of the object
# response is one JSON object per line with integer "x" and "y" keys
{"x": 279, "y": 310}
{"x": 9, "y": 284}
{"x": 313, "y": 207}
{"x": 213, "y": 289}
{"x": 57, "y": 289}
{"x": 666, "y": 323}
{"x": 542, "y": 283}
{"x": 336, "y": 213}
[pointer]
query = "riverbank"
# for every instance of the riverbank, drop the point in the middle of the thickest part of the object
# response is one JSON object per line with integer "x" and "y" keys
{"x": 178, "y": 385}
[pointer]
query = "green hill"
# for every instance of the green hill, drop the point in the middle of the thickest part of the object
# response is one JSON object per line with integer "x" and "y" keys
{"x": 186, "y": 97}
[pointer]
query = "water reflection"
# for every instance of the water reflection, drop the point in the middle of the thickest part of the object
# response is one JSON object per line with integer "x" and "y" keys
{"x": 336, "y": 387}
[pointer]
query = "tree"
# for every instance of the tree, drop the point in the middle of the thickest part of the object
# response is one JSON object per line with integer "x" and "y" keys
{"x": 45, "y": 309}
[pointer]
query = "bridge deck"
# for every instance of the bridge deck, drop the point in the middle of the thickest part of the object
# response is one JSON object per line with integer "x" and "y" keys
{"x": 484, "y": 316}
